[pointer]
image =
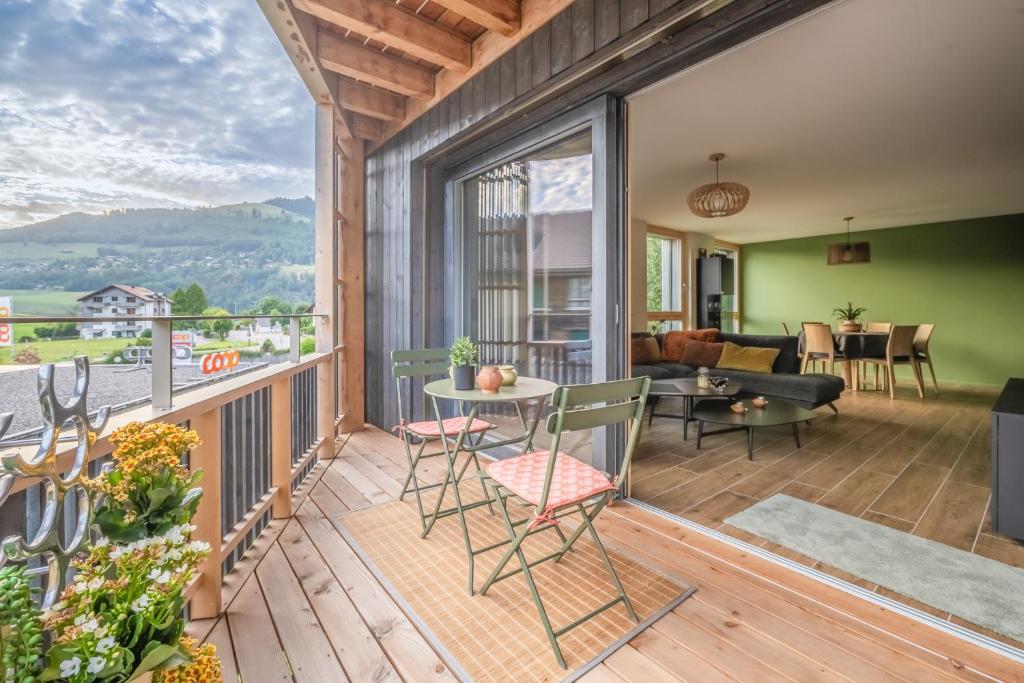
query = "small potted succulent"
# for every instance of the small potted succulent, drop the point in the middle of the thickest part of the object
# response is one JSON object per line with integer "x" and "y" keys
{"x": 464, "y": 354}
{"x": 848, "y": 317}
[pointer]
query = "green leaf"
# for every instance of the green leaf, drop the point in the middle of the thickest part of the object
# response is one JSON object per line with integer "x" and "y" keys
{"x": 160, "y": 656}
{"x": 158, "y": 497}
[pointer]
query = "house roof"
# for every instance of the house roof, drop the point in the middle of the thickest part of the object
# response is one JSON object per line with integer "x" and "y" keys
{"x": 141, "y": 293}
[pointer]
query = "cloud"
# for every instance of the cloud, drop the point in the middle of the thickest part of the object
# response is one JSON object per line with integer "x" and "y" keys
{"x": 560, "y": 185}
{"x": 135, "y": 103}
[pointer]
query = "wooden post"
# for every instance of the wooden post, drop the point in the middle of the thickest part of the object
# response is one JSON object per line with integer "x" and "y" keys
{"x": 351, "y": 323}
{"x": 325, "y": 274}
{"x": 206, "y": 601}
{"x": 281, "y": 445}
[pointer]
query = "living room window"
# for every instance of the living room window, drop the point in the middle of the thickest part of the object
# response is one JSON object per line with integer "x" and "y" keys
{"x": 664, "y": 279}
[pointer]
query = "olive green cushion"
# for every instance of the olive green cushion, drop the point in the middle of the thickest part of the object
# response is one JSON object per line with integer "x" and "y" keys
{"x": 749, "y": 358}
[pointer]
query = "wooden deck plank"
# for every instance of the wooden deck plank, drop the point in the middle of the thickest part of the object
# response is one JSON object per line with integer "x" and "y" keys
{"x": 411, "y": 654}
{"x": 673, "y": 656}
{"x": 629, "y": 664}
{"x": 309, "y": 652}
{"x": 345, "y": 491}
{"x": 822, "y": 608}
{"x": 258, "y": 651}
{"x": 359, "y": 652}
{"x": 385, "y": 481}
{"x": 363, "y": 484}
{"x": 220, "y": 636}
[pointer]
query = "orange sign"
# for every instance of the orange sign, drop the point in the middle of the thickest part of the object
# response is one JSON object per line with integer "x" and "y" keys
{"x": 6, "y": 329}
{"x": 222, "y": 360}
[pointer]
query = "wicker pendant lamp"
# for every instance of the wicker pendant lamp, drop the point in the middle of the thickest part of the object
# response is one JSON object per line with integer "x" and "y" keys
{"x": 718, "y": 199}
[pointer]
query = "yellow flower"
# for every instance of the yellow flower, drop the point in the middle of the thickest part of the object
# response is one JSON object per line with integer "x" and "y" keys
{"x": 204, "y": 668}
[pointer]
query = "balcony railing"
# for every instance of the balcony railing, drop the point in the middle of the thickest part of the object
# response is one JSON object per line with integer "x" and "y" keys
{"x": 262, "y": 433}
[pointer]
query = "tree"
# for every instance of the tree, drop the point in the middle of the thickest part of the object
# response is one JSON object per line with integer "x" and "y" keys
{"x": 197, "y": 298}
{"x": 221, "y": 328}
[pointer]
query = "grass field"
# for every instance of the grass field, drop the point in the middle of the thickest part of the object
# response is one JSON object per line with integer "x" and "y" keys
{"x": 42, "y": 302}
{"x": 64, "y": 349}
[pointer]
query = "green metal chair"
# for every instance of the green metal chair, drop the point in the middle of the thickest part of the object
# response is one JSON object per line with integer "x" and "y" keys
{"x": 558, "y": 485}
{"x": 423, "y": 363}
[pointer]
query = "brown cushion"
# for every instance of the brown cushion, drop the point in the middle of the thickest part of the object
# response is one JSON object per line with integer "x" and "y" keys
{"x": 653, "y": 350}
{"x": 749, "y": 358}
{"x": 699, "y": 354}
{"x": 639, "y": 351}
{"x": 676, "y": 340}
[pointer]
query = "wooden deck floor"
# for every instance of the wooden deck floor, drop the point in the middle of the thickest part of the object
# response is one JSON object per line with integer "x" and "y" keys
{"x": 303, "y": 607}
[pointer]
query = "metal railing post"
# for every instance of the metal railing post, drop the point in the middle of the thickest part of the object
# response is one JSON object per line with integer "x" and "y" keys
{"x": 161, "y": 366}
{"x": 294, "y": 340}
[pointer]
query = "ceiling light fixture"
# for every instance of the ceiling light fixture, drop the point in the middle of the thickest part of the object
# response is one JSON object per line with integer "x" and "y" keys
{"x": 718, "y": 199}
{"x": 851, "y": 252}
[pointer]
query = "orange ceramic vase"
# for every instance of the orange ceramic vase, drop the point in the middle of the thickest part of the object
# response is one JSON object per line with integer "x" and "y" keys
{"x": 489, "y": 379}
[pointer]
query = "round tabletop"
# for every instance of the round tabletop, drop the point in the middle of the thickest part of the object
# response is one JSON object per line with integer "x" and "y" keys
{"x": 687, "y": 386}
{"x": 524, "y": 389}
{"x": 777, "y": 412}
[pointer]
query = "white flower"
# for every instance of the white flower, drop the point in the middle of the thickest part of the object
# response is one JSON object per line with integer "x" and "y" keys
{"x": 79, "y": 620}
{"x": 199, "y": 546}
{"x": 176, "y": 534}
{"x": 117, "y": 552}
{"x": 141, "y": 603}
{"x": 100, "y": 632}
{"x": 105, "y": 644}
{"x": 163, "y": 578}
{"x": 96, "y": 583}
{"x": 153, "y": 573}
{"x": 70, "y": 667}
{"x": 102, "y": 543}
{"x": 96, "y": 665}
{"x": 90, "y": 626}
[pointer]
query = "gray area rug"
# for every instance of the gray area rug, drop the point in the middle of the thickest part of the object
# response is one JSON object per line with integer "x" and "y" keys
{"x": 975, "y": 588}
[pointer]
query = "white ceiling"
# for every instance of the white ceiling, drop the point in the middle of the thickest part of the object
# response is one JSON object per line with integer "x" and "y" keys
{"x": 898, "y": 112}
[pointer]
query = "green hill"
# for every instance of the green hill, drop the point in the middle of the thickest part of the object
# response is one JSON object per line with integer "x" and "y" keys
{"x": 238, "y": 253}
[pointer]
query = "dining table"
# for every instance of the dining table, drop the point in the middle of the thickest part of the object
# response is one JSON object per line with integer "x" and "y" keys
{"x": 855, "y": 346}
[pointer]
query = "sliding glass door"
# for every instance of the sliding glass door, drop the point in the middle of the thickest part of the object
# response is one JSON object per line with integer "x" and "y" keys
{"x": 532, "y": 233}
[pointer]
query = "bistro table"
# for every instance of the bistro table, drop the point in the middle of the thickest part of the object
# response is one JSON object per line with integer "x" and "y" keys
{"x": 777, "y": 412}
{"x": 855, "y": 346}
{"x": 525, "y": 389}
{"x": 689, "y": 391}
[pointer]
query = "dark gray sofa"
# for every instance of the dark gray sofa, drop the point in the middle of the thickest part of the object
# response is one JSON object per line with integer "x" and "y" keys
{"x": 785, "y": 382}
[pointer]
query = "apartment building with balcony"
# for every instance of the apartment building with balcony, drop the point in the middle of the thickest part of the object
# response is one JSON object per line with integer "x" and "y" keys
{"x": 120, "y": 300}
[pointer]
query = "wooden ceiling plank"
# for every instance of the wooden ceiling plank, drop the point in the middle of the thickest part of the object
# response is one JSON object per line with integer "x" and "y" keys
{"x": 486, "y": 49}
{"x": 387, "y": 22}
{"x": 375, "y": 102}
{"x": 373, "y": 66}
{"x": 502, "y": 16}
{"x": 367, "y": 128}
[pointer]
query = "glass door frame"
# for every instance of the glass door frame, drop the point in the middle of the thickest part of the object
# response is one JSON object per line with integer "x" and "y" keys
{"x": 603, "y": 117}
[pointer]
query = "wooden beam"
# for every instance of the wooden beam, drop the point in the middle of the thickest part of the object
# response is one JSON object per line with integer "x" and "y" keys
{"x": 373, "y": 66}
{"x": 387, "y": 22}
{"x": 486, "y": 49}
{"x": 375, "y": 102}
{"x": 298, "y": 35}
{"x": 502, "y": 16}
{"x": 352, "y": 319}
{"x": 366, "y": 128}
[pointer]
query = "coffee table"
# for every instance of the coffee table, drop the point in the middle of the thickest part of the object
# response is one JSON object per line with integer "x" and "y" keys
{"x": 688, "y": 390}
{"x": 777, "y": 412}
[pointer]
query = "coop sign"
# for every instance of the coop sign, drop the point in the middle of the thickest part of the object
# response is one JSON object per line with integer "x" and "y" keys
{"x": 220, "y": 361}
{"x": 6, "y": 329}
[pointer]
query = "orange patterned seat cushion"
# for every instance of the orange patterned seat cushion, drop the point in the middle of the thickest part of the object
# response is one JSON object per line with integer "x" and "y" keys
{"x": 452, "y": 427}
{"x": 573, "y": 481}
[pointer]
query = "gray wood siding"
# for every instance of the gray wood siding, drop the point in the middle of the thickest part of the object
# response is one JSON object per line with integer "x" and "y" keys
{"x": 393, "y": 258}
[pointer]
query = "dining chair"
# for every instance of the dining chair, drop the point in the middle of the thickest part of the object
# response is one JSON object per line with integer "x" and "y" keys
{"x": 899, "y": 351}
{"x": 419, "y": 364}
{"x": 878, "y": 328}
{"x": 819, "y": 345}
{"x": 921, "y": 351}
{"x": 557, "y": 485}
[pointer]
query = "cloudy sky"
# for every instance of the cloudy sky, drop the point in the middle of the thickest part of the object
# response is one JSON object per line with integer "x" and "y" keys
{"x": 143, "y": 103}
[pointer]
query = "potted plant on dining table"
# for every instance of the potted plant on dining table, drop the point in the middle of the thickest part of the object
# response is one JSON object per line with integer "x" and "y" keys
{"x": 849, "y": 317}
{"x": 464, "y": 354}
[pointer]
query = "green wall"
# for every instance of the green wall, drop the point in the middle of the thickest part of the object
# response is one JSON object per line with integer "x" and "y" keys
{"x": 966, "y": 277}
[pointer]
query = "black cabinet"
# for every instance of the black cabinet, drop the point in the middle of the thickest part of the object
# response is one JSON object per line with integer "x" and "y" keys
{"x": 1008, "y": 461}
{"x": 715, "y": 280}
